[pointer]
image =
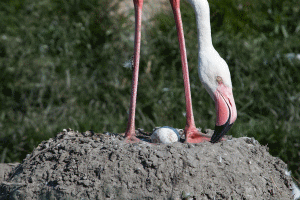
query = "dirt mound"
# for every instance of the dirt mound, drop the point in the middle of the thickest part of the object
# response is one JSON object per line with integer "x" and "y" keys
{"x": 102, "y": 166}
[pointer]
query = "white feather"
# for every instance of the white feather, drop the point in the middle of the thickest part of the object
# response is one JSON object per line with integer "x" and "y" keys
{"x": 129, "y": 63}
{"x": 296, "y": 190}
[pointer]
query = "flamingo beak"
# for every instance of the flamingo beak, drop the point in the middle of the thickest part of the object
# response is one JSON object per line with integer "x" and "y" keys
{"x": 226, "y": 112}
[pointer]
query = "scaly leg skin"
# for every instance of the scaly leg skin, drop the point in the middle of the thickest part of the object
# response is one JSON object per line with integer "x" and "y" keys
{"x": 192, "y": 135}
{"x": 130, "y": 136}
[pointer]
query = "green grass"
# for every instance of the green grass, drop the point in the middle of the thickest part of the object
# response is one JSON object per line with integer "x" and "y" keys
{"x": 61, "y": 66}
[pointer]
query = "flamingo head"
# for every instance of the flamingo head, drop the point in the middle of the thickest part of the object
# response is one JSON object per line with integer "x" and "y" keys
{"x": 215, "y": 76}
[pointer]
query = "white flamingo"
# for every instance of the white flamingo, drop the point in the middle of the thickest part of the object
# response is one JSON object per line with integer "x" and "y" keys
{"x": 213, "y": 72}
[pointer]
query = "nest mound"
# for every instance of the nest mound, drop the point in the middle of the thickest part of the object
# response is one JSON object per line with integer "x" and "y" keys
{"x": 102, "y": 166}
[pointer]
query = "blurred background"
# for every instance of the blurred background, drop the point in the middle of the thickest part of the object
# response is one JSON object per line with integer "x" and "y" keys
{"x": 61, "y": 66}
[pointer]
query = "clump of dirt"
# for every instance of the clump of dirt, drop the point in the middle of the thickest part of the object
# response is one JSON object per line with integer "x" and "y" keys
{"x": 102, "y": 166}
{"x": 5, "y": 168}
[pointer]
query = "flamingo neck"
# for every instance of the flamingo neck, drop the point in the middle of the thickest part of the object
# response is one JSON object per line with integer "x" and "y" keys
{"x": 201, "y": 8}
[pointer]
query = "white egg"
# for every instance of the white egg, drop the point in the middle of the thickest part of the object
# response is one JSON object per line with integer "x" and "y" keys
{"x": 165, "y": 135}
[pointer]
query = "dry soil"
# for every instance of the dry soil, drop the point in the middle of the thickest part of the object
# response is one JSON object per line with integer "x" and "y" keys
{"x": 77, "y": 165}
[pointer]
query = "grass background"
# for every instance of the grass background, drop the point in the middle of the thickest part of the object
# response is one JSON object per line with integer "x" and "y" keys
{"x": 61, "y": 66}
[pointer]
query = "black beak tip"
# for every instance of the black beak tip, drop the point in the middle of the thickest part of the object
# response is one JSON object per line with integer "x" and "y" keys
{"x": 220, "y": 131}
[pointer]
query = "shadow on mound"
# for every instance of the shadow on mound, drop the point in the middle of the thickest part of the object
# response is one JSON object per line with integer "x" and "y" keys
{"x": 99, "y": 166}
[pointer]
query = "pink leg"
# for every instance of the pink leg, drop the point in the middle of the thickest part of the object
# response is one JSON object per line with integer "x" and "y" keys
{"x": 130, "y": 131}
{"x": 192, "y": 135}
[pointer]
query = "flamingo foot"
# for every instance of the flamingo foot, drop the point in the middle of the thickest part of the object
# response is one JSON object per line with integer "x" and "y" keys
{"x": 192, "y": 135}
{"x": 131, "y": 138}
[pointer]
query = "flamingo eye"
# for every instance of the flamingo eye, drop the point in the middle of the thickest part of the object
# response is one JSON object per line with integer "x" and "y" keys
{"x": 219, "y": 79}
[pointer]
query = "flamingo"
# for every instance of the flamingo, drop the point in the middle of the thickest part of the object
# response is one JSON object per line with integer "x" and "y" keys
{"x": 213, "y": 72}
